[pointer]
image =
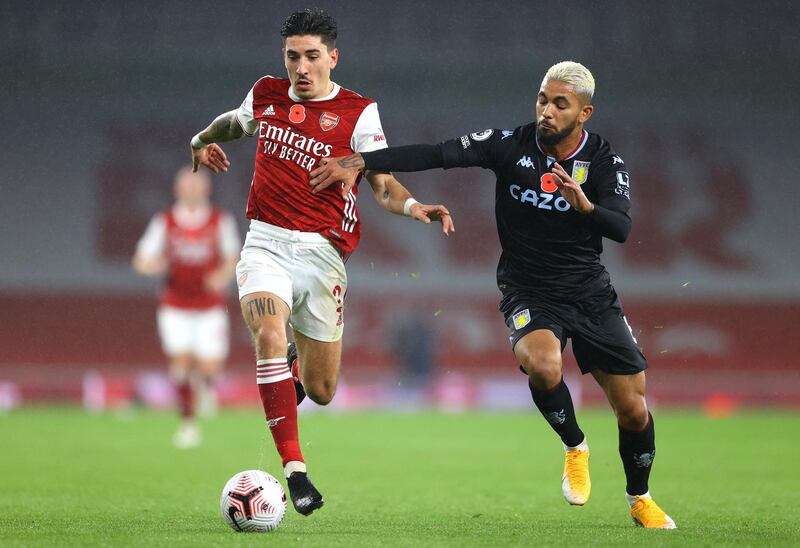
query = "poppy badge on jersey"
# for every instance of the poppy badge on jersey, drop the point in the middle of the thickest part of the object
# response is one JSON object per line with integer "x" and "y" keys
{"x": 521, "y": 319}
{"x": 297, "y": 114}
{"x": 580, "y": 171}
{"x": 548, "y": 181}
{"x": 328, "y": 121}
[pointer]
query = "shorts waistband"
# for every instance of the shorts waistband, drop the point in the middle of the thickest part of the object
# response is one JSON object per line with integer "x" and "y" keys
{"x": 266, "y": 230}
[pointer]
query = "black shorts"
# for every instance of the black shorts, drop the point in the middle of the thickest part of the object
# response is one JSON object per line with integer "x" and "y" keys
{"x": 601, "y": 336}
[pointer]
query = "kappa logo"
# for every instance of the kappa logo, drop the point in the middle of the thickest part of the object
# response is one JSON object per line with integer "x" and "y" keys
{"x": 580, "y": 171}
{"x": 506, "y": 134}
{"x": 525, "y": 161}
{"x": 556, "y": 417}
{"x": 616, "y": 160}
{"x": 269, "y": 111}
{"x": 328, "y": 121}
{"x": 272, "y": 423}
{"x": 521, "y": 319}
{"x": 645, "y": 460}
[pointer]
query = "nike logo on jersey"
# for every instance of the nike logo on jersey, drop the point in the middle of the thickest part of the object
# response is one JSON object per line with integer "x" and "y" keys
{"x": 616, "y": 160}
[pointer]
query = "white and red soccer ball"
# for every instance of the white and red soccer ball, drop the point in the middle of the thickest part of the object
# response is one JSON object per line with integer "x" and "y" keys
{"x": 253, "y": 501}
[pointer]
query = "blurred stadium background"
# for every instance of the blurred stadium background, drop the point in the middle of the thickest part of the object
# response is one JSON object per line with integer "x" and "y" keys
{"x": 99, "y": 101}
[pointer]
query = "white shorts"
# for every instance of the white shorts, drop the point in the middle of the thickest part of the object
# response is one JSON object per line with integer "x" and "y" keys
{"x": 302, "y": 268}
{"x": 201, "y": 333}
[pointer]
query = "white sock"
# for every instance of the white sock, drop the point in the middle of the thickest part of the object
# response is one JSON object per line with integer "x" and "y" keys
{"x": 293, "y": 466}
{"x": 583, "y": 446}
{"x": 632, "y": 499}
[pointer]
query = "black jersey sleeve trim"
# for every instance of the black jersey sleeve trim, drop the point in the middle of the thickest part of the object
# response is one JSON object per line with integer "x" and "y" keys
{"x": 615, "y": 225}
{"x": 404, "y": 158}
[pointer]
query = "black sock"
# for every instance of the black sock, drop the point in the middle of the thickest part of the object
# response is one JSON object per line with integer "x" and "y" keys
{"x": 556, "y": 406}
{"x": 637, "y": 450}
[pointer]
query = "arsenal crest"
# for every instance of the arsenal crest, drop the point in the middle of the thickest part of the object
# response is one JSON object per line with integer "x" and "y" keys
{"x": 328, "y": 121}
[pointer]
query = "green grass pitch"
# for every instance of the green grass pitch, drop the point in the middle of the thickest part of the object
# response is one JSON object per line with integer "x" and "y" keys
{"x": 414, "y": 479}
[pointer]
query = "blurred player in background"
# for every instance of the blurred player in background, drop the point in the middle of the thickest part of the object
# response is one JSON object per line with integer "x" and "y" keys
{"x": 560, "y": 190}
{"x": 292, "y": 265}
{"x": 195, "y": 247}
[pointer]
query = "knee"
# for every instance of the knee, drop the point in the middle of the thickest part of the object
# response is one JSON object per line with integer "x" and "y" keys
{"x": 210, "y": 368}
{"x": 180, "y": 367}
{"x": 321, "y": 392}
{"x": 632, "y": 414}
{"x": 270, "y": 342}
{"x": 542, "y": 366}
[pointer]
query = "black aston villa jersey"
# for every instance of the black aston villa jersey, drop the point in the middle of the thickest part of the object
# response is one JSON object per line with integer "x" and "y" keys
{"x": 547, "y": 245}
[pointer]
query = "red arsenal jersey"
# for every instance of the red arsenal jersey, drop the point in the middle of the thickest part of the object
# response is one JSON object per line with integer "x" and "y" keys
{"x": 194, "y": 243}
{"x": 293, "y": 135}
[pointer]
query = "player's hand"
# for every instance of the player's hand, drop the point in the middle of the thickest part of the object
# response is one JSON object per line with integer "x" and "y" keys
{"x": 571, "y": 191}
{"x": 342, "y": 170}
{"x": 216, "y": 281}
{"x": 212, "y": 156}
{"x": 150, "y": 266}
{"x": 427, "y": 213}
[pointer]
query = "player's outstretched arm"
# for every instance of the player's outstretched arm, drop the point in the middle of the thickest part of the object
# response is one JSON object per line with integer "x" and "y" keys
{"x": 403, "y": 158}
{"x": 204, "y": 147}
{"x": 395, "y": 198}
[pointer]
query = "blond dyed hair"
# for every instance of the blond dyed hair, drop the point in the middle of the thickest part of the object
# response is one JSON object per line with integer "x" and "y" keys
{"x": 575, "y": 74}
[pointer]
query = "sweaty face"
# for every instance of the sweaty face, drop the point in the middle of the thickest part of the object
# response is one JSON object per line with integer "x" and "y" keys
{"x": 309, "y": 64}
{"x": 559, "y": 110}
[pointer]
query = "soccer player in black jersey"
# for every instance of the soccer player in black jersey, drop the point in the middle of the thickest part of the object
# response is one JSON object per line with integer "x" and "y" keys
{"x": 560, "y": 190}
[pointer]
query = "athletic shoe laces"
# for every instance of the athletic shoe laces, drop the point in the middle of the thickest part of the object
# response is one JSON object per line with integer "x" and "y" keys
{"x": 577, "y": 471}
{"x": 650, "y": 512}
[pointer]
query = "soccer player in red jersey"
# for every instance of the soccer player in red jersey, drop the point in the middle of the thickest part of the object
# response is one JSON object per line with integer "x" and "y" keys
{"x": 292, "y": 264}
{"x": 196, "y": 247}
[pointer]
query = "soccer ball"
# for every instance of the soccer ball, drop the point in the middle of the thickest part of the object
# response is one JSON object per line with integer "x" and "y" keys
{"x": 253, "y": 501}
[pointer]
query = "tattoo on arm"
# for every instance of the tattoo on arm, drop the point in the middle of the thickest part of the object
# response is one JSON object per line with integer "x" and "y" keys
{"x": 223, "y": 128}
{"x": 261, "y": 306}
{"x": 354, "y": 160}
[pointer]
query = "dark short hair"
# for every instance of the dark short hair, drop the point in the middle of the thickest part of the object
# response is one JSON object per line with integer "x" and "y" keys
{"x": 314, "y": 22}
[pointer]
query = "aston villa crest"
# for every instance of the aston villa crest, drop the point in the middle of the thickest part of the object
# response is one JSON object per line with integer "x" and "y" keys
{"x": 580, "y": 171}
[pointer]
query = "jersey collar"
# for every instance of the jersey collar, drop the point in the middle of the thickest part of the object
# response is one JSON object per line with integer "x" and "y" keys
{"x": 190, "y": 218}
{"x": 331, "y": 95}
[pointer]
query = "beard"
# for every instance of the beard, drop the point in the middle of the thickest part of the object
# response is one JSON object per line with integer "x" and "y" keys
{"x": 549, "y": 137}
